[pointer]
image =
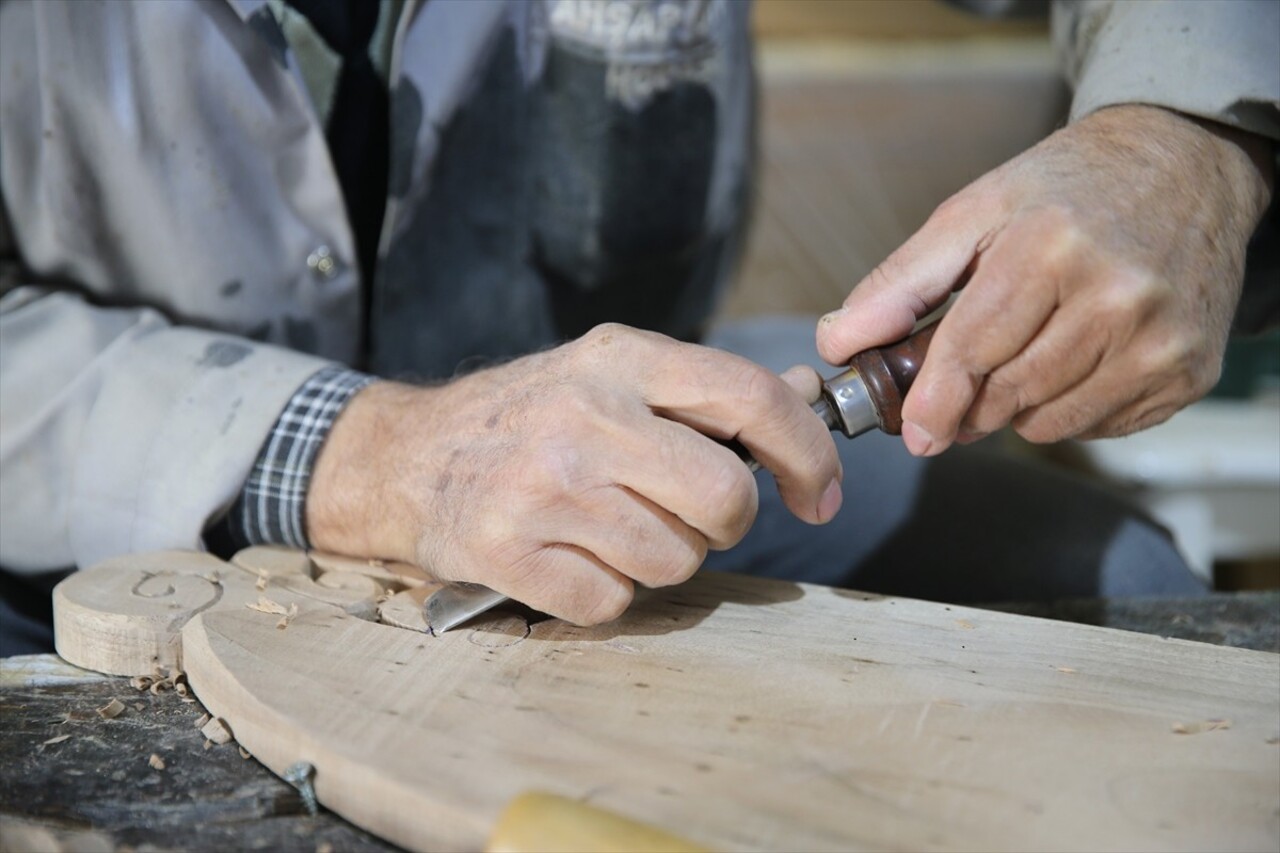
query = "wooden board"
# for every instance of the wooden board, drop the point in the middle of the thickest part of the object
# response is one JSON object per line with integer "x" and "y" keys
{"x": 751, "y": 714}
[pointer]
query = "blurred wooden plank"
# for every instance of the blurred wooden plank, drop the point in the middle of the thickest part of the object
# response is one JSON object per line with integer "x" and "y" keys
{"x": 877, "y": 19}
{"x": 858, "y": 146}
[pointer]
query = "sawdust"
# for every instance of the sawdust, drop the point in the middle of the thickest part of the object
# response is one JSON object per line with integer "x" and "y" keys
{"x": 156, "y": 761}
{"x": 216, "y": 731}
{"x": 266, "y": 605}
{"x": 1211, "y": 725}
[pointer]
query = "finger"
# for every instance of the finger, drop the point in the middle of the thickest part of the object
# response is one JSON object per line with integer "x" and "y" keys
{"x": 1108, "y": 404}
{"x": 725, "y": 396}
{"x": 805, "y": 381}
{"x": 1069, "y": 348}
{"x": 1011, "y": 295}
{"x": 703, "y": 484}
{"x": 729, "y": 397}
{"x": 633, "y": 535}
{"x": 909, "y": 283}
{"x": 568, "y": 582}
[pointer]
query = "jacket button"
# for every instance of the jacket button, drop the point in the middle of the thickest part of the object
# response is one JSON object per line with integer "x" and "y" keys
{"x": 322, "y": 262}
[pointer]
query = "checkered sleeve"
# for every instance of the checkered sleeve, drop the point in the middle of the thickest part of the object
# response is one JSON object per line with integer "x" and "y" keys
{"x": 271, "y": 509}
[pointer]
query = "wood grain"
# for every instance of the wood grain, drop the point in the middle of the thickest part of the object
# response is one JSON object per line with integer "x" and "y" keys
{"x": 749, "y": 714}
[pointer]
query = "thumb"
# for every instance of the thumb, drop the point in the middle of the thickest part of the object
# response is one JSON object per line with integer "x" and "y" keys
{"x": 910, "y": 283}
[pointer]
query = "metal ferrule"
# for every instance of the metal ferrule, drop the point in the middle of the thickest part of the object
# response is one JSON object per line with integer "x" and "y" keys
{"x": 846, "y": 406}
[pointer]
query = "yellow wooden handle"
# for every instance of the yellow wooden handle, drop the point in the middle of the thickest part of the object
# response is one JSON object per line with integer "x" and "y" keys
{"x": 537, "y": 821}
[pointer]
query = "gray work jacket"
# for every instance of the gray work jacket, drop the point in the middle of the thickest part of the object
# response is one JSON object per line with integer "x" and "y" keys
{"x": 177, "y": 258}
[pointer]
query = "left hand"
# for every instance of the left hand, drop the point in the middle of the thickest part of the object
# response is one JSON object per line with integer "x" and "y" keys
{"x": 1098, "y": 274}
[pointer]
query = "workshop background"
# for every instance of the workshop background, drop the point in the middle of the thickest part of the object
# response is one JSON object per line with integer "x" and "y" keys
{"x": 875, "y": 111}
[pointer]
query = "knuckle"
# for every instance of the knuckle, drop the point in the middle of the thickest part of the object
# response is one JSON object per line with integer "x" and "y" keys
{"x": 605, "y": 603}
{"x": 1131, "y": 294}
{"x": 763, "y": 391}
{"x": 678, "y": 566}
{"x": 732, "y": 495}
{"x": 603, "y": 341}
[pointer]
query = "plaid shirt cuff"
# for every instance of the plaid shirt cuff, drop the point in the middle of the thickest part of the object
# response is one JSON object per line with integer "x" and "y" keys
{"x": 271, "y": 509}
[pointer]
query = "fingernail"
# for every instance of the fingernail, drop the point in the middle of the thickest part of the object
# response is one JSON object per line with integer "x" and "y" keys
{"x": 830, "y": 502}
{"x": 828, "y": 319}
{"x": 917, "y": 439}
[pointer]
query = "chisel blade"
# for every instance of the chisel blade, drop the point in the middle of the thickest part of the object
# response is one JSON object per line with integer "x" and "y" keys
{"x": 454, "y": 604}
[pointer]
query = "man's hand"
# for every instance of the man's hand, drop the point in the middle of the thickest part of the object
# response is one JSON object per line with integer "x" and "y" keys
{"x": 1100, "y": 271}
{"x": 564, "y": 478}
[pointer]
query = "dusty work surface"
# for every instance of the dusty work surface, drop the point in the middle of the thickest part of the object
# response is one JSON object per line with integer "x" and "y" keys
{"x": 97, "y": 790}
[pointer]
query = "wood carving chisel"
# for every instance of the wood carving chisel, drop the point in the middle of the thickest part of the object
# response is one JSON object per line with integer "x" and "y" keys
{"x": 866, "y": 396}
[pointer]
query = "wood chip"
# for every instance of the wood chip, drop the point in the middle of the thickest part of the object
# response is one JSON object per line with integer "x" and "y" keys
{"x": 216, "y": 730}
{"x": 138, "y": 706}
{"x": 266, "y": 605}
{"x": 244, "y": 753}
{"x": 158, "y": 687}
{"x": 156, "y": 761}
{"x": 284, "y": 620}
{"x": 263, "y": 577}
{"x": 111, "y": 710}
{"x": 1211, "y": 725}
{"x": 204, "y": 718}
{"x": 140, "y": 682}
{"x": 58, "y": 739}
{"x": 1068, "y": 670}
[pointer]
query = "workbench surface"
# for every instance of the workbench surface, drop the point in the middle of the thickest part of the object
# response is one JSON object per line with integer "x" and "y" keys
{"x": 96, "y": 790}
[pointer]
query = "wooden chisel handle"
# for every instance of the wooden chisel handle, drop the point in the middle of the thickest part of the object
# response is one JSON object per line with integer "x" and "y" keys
{"x": 888, "y": 373}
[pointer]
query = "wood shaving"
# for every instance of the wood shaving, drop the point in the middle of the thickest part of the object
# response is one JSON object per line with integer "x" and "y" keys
{"x": 111, "y": 710}
{"x": 160, "y": 686}
{"x": 263, "y": 577}
{"x": 1211, "y": 725}
{"x": 208, "y": 744}
{"x": 266, "y": 605}
{"x": 244, "y": 753}
{"x": 1068, "y": 670}
{"x": 180, "y": 689}
{"x": 216, "y": 730}
{"x": 156, "y": 761}
{"x": 59, "y": 739}
{"x": 187, "y": 700}
{"x": 965, "y": 624}
{"x": 204, "y": 718}
{"x": 158, "y": 672}
{"x": 140, "y": 682}
{"x": 138, "y": 706}
{"x": 284, "y": 620}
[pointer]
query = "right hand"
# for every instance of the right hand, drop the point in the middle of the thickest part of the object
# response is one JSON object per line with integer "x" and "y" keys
{"x": 564, "y": 478}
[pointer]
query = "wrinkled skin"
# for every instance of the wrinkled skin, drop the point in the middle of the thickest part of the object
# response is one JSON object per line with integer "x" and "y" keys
{"x": 564, "y": 478}
{"x": 1097, "y": 274}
